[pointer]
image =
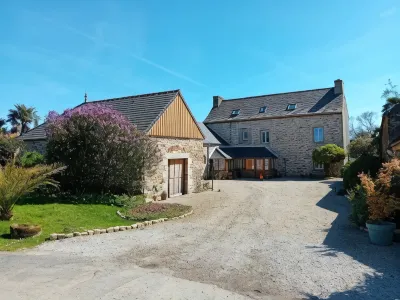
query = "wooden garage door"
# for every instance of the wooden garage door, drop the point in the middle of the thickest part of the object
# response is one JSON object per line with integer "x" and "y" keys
{"x": 176, "y": 169}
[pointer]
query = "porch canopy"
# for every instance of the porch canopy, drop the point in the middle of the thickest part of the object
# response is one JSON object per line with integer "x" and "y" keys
{"x": 247, "y": 152}
{"x": 246, "y": 161}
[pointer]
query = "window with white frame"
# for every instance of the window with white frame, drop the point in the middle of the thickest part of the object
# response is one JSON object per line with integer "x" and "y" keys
{"x": 318, "y": 134}
{"x": 262, "y": 109}
{"x": 291, "y": 106}
{"x": 264, "y": 136}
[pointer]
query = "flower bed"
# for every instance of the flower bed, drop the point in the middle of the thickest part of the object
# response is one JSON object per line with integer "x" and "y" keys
{"x": 152, "y": 211}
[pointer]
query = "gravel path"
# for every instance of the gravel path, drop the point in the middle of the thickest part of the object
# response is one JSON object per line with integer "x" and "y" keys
{"x": 252, "y": 240}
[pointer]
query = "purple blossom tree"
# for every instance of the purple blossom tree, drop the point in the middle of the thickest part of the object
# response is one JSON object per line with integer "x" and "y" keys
{"x": 103, "y": 150}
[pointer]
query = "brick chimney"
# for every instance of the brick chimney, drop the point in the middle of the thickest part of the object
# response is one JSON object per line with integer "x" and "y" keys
{"x": 217, "y": 101}
{"x": 339, "y": 87}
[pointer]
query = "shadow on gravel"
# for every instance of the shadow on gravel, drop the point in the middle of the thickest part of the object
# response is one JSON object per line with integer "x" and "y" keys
{"x": 343, "y": 237}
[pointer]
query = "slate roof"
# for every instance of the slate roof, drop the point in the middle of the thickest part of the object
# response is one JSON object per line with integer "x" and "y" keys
{"x": 308, "y": 102}
{"x": 210, "y": 137}
{"x": 248, "y": 152}
{"x": 142, "y": 110}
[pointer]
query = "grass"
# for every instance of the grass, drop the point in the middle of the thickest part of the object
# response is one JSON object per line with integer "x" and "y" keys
{"x": 150, "y": 211}
{"x": 57, "y": 218}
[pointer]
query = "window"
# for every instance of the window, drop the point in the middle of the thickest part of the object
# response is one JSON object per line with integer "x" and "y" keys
{"x": 245, "y": 135}
{"x": 259, "y": 164}
{"x": 264, "y": 137}
{"x": 262, "y": 109}
{"x": 267, "y": 164}
{"x": 291, "y": 106}
{"x": 318, "y": 166}
{"x": 249, "y": 164}
{"x": 318, "y": 134}
{"x": 235, "y": 112}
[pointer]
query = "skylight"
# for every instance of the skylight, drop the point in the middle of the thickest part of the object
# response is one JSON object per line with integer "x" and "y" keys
{"x": 235, "y": 112}
{"x": 262, "y": 109}
{"x": 291, "y": 106}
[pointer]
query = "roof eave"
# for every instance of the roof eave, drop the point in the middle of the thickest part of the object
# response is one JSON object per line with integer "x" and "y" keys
{"x": 272, "y": 117}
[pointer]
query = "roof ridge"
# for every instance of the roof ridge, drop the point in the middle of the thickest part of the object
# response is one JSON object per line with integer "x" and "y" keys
{"x": 136, "y": 96}
{"x": 249, "y": 97}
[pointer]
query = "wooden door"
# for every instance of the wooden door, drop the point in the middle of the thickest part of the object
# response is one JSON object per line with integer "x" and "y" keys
{"x": 176, "y": 173}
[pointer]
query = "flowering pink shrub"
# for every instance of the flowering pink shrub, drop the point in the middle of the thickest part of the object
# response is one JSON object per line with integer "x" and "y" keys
{"x": 104, "y": 152}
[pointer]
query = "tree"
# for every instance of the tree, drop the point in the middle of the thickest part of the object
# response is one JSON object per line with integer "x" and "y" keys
{"x": 329, "y": 155}
{"x": 104, "y": 152}
{"x": 391, "y": 96}
{"x": 8, "y": 146}
{"x": 21, "y": 117}
{"x": 362, "y": 145}
{"x": 2, "y": 126}
{"x": 363, "y": 124}
{"x": 16, "y": 182}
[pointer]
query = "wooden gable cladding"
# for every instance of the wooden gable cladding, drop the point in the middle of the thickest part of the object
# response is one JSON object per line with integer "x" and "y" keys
{"x": 176, "y": 121}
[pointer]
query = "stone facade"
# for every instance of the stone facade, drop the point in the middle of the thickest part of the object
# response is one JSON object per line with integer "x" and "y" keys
{"x": 36, "y": 145}
{"x": 290, "y": 138}
{"x": 174, "y": 148}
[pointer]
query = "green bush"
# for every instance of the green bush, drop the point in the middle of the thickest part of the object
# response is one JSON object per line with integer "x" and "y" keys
{"x": 8, "y": 146}
{"x": 367, "y": 164}
{"x": 31, "y": 159}
{"x": 329, "y": 155}
{"x": 344, "y": 168}
{"x": 129, "y": 202}
{"x": 358, "y": 200}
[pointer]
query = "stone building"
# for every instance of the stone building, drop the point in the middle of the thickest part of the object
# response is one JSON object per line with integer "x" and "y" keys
{"x": 277, "y": 133}
{"x": 390, "y": 134}
{"x": 167, "y": 119}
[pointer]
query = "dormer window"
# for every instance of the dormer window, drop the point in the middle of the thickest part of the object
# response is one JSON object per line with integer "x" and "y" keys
{"x": 291, "y": 106}
{"x": 235, "y": 112}
{"x": 262, "y": 109}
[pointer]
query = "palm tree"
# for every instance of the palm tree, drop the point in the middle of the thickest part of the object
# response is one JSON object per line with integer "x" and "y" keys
{"x": 16, "y": 182}
{"x": 21, "y": 117}
{"x": 391, "y": 95}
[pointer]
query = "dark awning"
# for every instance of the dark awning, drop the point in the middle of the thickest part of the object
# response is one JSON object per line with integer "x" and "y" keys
{"x": 248, "y": 152}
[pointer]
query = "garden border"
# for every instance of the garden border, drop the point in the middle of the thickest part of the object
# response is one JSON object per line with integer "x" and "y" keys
{"x": 61, "y": 236}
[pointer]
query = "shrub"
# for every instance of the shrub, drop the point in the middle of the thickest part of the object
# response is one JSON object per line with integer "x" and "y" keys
{"x": 329, "y": 155}
{"x": 344, "y": 168}
{"x": 31, "y": 159}
{"x": 103, "y": 151}
{"x": 364, "y": 164}
{"x": 129, "y": 202}
{"x": 16, "y": 182}
{"x": 8, "y": 146}
{"x": 362, "y": 145}
{"x": 358, "y": 200}
{"x": 382, "y": 203}
{"x": 152, "y": 211}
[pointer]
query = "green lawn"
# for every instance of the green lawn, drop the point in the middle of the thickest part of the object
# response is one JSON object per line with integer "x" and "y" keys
{"x": 58, "y": 218}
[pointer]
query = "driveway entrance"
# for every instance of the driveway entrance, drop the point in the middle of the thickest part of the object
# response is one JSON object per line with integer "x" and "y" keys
{"x": 275, "y": 239}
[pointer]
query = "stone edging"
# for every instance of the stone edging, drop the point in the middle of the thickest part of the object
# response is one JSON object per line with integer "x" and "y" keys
{"x": 61, "y": 236}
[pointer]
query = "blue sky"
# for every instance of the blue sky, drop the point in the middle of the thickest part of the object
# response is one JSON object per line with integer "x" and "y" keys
{"x": 51, "y": 52}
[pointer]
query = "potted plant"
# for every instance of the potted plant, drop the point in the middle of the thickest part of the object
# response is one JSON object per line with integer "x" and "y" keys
{"x": 382, "y": 203}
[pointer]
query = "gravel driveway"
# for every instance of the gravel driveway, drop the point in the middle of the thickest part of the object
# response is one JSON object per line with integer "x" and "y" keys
{"x": 252, "y": 240}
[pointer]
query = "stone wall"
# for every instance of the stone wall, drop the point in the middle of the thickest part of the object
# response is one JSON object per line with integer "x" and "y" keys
{"x": 36, "y": 145}
{"x": 290, "y": 138}
{"x": 170, "y": 148}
